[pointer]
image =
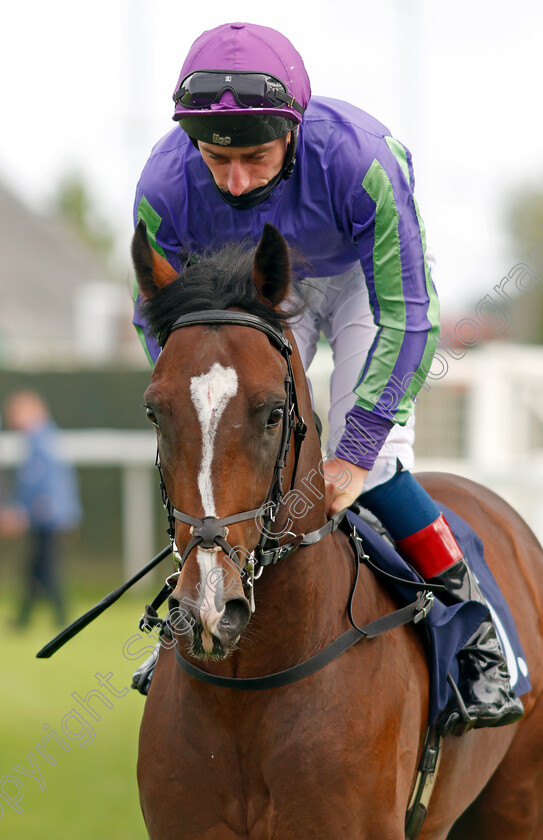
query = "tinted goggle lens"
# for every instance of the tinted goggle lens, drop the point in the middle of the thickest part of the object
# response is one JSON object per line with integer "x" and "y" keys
{"x": 250, "y": 90}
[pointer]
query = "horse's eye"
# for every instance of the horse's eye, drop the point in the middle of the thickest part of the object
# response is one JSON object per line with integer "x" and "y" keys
{"x": 151, "y": 416}
{"x": 275, "y": 417}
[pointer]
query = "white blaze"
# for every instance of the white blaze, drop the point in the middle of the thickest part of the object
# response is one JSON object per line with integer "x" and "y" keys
{"x": 210, "y": 394}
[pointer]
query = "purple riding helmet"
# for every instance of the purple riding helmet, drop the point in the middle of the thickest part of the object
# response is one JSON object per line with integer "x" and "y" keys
{"x": 243, "y": 85}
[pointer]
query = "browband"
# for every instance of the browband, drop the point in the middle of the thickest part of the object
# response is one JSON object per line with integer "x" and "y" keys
{"x": 227, "y": 316}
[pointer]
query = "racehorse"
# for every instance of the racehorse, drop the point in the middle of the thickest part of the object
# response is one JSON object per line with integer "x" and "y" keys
{"x": 334, "y": 754}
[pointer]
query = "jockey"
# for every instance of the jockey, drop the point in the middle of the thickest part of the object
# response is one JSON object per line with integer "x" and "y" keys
{"x": 250, "y": 147}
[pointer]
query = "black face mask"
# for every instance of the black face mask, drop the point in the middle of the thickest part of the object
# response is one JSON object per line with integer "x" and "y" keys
{"x": 252, "y": 199}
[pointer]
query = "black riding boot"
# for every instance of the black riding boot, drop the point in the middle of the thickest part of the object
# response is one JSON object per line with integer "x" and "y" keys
{"x": 484, "y": 682}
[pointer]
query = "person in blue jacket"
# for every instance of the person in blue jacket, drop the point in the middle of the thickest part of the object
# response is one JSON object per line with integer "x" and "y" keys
{"x": 45, "y": 502}
{"x": 252, "y": 146}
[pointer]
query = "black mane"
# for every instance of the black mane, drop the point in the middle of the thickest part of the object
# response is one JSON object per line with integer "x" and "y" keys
{"x": 219, "y": 280}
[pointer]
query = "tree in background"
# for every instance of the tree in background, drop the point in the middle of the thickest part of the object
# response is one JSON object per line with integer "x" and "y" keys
{"x": 74, "y": 204}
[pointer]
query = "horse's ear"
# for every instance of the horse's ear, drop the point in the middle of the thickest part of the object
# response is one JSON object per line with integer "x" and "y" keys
{"x": 153, "y": 272}
{"x": 271, "y": 272}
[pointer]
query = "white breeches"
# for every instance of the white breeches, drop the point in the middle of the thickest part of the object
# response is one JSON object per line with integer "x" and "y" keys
{"x": 339, "y": 307}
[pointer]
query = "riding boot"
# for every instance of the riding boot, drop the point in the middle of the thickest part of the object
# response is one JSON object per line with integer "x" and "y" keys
{"x": 484, "y": 682}
{"x": 141, "y": 679}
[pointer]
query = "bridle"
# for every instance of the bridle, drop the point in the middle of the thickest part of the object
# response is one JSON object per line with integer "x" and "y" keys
{"x": 210, "y": 532}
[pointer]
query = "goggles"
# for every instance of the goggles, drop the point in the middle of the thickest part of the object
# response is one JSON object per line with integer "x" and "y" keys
{"x": 250, "y": 90}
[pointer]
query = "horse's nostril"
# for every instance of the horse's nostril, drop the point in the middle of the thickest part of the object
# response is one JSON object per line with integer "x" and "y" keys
{"x": 237, "y": 613}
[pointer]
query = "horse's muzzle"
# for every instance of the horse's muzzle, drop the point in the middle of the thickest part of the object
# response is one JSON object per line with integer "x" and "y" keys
{"x": 209, "y": 630}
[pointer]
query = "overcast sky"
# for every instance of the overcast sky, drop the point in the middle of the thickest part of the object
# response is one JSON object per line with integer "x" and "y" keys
{"x": 88, "y": 86}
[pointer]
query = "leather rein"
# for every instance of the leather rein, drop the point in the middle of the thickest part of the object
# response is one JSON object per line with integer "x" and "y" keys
{"x": 210, "y": 532}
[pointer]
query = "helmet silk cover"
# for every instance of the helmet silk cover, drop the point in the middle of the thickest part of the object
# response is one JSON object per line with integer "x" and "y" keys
{"x": 245, "y": 47}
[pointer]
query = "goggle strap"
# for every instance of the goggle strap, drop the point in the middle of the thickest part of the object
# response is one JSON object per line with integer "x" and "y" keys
{"x": 289, "y": 101}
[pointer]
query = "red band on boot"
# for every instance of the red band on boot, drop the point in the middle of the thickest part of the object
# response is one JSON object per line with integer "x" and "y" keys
{"x": 432, "y": 549}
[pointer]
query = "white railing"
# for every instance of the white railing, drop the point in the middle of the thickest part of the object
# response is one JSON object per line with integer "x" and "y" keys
{"x": 130, "y": 451}
{"x": 504, "y": 384}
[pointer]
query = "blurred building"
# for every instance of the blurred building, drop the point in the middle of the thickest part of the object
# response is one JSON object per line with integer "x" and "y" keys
{"x": 66, "y": 333}
{"x": 58, "y": 304}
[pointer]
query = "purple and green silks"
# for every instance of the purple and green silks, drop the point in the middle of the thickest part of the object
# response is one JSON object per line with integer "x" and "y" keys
{"x": 350, "y": 199}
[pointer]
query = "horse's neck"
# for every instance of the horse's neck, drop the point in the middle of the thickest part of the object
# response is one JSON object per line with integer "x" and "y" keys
{"x": 300, "y": 607}
{"x": 302, "y": 600}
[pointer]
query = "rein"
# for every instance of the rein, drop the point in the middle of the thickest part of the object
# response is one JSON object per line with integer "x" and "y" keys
{"x": 210, "y": 532}
{"x": 413, "y": 612}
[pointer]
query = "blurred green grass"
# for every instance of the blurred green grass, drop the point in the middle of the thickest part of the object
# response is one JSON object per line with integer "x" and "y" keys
{"x": 91, "y": 790}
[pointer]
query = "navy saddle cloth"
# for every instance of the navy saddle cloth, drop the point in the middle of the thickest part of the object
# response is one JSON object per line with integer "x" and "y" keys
{"x": 449, "y": 628}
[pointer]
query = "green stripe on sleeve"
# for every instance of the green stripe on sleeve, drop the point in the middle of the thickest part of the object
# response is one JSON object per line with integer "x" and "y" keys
{"x": 387, "y": 274}
{"x": 152, "y": 221}
{"x": 432, "y": 314}
{"x": 400, "y": 154}
{"x": 141, "y": 336}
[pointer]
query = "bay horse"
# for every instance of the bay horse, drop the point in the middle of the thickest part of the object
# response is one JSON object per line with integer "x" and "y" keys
{"x": 333, "y": 755}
